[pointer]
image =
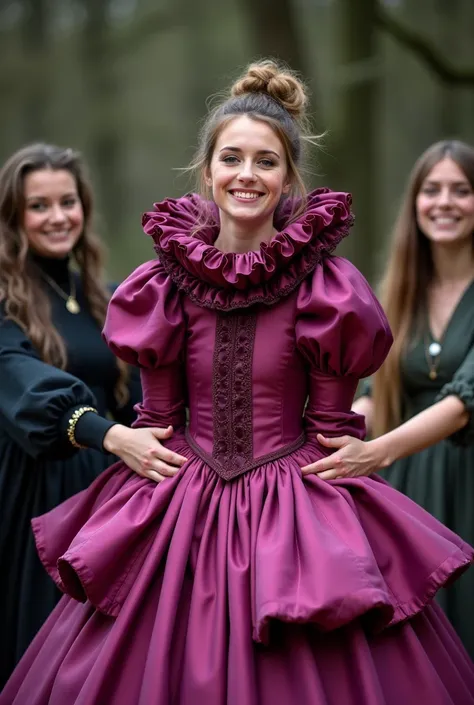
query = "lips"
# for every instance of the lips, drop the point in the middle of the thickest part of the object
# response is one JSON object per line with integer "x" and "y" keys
{"x": 243, "y": 195}
{"x": 445, "y": 219}
{"x": 57, "y": 234}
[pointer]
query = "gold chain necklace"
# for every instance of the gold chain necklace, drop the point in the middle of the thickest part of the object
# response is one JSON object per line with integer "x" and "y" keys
{"x": 70, "y": 299}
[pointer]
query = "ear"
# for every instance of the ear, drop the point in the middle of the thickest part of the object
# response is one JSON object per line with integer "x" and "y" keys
{"x": 287, "y": 187}
{"x": 207, "y": 177}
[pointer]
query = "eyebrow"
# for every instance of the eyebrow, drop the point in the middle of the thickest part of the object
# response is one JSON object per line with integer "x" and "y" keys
{"x": 41, "y": 197}
{"x": 260, "y": 151}
{"x": 434, "y": 182}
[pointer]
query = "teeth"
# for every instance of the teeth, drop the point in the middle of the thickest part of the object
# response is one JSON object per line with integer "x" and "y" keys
{"x": 244, "y": 194}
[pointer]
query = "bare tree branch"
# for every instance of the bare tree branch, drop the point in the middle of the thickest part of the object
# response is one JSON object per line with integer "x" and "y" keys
{"x": 421, "y": 47}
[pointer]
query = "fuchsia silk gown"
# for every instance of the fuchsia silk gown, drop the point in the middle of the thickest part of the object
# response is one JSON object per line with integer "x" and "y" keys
{"x": 238, "y": 581}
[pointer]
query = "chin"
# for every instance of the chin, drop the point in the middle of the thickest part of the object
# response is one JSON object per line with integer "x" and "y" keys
{"x": 447, "y": 237}
{"x": 248, "y": 215}
{"x": 58, "y": 252}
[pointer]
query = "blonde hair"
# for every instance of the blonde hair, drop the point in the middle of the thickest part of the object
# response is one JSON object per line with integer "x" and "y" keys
{"x": 408, "y": 273}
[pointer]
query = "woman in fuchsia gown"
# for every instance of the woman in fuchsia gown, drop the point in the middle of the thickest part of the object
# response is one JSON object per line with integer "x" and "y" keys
{"x": 239, "y": 579}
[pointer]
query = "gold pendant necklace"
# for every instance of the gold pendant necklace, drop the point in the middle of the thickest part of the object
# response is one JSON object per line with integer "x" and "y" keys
{"x": 72, "y": 304}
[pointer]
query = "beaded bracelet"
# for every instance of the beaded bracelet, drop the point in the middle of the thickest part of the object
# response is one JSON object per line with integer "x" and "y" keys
{"x": 73, "y": 421}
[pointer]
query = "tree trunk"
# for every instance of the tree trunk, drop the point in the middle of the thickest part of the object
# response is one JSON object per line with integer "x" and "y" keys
{"x": 353, "y": 129}
{"x": 449, "y": 21}
{"x": 105, "y": 139}
{"x": 34, "y": 33}
{"x": 272, "y": 23}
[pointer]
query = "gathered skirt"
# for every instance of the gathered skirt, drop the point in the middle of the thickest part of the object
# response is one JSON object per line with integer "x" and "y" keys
{"x": 269, "y": 589}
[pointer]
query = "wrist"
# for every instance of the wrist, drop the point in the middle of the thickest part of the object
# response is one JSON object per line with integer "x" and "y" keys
{"x": 380, "y": 451}
{"x": 113, "y": 439}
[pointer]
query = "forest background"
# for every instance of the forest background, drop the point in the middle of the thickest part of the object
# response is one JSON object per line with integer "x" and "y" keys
{"x": 127, "y": 82}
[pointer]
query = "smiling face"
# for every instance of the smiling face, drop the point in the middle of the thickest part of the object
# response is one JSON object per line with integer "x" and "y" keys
{"x": 53, "y": 218}
{"x": 445, "y": 204}
{"x": 248, "y": 173}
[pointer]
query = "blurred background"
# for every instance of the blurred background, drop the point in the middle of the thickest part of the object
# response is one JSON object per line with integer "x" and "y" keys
{"x": 127, "y": 82}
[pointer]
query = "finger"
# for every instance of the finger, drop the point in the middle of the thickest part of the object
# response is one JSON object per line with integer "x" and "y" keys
{"x": 152, "y": 475}
{"x": 162, "y": 433}
{"x": 318, "y": 466}
{"x": 169, "y": 457}
{"x": 328, "y": 475}
{"x": 164, "y": 469}
{"x": 332, "y": 442}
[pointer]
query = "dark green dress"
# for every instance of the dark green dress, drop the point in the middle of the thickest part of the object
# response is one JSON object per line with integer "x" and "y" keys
{"x": 441, "y": 478}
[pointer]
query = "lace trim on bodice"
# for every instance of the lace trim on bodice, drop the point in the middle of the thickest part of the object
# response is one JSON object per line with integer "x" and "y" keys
{"x": 232, "y": 392}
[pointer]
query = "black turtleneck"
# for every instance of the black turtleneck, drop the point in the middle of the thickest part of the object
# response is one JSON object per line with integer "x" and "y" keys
{"x": 56, "y": 268}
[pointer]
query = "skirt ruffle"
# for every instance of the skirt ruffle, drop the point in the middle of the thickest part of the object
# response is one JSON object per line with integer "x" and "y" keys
{"x": 287, "y": 548}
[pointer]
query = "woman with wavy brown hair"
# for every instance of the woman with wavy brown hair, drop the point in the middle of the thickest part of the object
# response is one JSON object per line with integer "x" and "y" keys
{"x": 418, "y": 406}
{"x": 58, "y": 379}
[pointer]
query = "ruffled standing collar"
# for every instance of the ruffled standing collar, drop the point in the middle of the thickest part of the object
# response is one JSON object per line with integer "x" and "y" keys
{"x": 228, "y": 280}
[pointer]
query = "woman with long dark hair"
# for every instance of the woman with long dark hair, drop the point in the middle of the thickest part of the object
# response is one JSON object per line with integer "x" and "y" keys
{"x": 58, "y": 379}
{"x": 419, "y": 405}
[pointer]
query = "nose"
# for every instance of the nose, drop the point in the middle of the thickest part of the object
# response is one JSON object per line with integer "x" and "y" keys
{"x": 57, "y": 214}
{"x": 444, "y": 197}
{"x": 246, "y": 171}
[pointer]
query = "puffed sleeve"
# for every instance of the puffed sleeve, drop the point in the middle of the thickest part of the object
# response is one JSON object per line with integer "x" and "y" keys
{"x": 145, "y": 327}
{"x": 37, "y": 400}
{"x": 125, "y": 413}
{"x": 343, "y": 334}
{"x": 462, "y": 386}
{"x": 144, "y": 324}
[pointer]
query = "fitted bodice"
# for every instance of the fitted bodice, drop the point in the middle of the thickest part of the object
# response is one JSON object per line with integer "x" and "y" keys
{"x": 247, "y": 383}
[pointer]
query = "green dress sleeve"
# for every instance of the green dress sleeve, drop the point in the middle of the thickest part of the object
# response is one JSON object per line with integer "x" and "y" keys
{"x": 462, "y": 385}
{"x": 365, "y": 388}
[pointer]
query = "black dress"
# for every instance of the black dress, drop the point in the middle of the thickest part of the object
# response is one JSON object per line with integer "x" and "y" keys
{"x": 38, "y": 466}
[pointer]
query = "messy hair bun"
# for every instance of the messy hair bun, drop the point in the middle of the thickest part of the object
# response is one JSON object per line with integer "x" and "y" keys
{"x": 277, "y": 82}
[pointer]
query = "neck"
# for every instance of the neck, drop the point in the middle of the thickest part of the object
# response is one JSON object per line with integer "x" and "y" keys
{"x": 451, "y": 264}
{"x": 56, "y": 268}
{"x": 234, "y": 237}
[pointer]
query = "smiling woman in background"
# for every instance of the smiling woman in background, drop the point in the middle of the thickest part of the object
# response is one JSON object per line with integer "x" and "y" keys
{"x": 427, "y": 382}
{"x": 58, "y": 379}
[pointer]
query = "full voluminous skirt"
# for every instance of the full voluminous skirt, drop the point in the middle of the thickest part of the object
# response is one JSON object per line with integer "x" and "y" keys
{"x": 270, "y": 589}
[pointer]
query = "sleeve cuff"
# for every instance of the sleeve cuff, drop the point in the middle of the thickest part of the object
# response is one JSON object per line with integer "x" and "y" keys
{"x": 464, "y": 391}
{"x": 90, "y": 428}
